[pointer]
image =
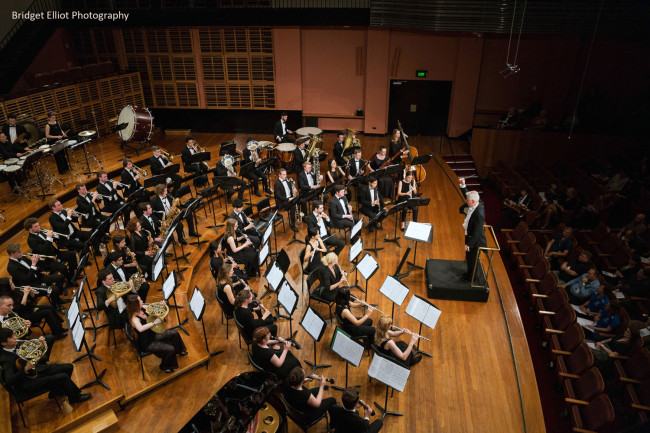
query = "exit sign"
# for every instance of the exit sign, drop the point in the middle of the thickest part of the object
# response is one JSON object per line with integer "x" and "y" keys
{"x": 421, "y": 74}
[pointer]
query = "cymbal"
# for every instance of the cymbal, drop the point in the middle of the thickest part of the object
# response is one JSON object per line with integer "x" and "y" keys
{"x": 87, "y": 133}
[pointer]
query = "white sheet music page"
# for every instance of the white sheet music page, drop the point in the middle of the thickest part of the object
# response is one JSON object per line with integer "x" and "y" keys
{"x": 73, "y": 313}
{"x": 367, "y": 266}
{"x": 197, "y": 302}
{"x": 394, "y": 290}
{"x": 388, "y": 372}
{"x": 423, "y": 312}
{"x": 78, "y": 335}
{"x": 312, "y": 323}
{"x": 286, "y": 297}
{"x": 269, "y": 228}
{"x": 584, "y": 322}
{"x": 356, "y": 228}
{"x": 263, "y": 253}
{"x": 274, "y": 277}
{"x": 347, "y": 348}
{"x": 418, "y": 231}
{"x": 355, "y": 250}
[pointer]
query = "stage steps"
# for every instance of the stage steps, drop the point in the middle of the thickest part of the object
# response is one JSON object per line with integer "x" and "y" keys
{"x": 463, "y": 165}
{"x": 105, "y": 422}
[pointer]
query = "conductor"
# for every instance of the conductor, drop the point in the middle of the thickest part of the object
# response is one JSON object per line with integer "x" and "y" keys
{"x": 473, "y": 225}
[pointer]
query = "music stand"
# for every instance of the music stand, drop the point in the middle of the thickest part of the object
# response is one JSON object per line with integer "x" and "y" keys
{"x": 224, "y": 181}
{"x": 419, "y": 160}
{"x": 360, "y": 179}
{"x": 314, "y": 325}
{"x": 120, "y": 213}
{"x": 209, "y": 194}
{"x": 293, "y": 201}
{"x": 169, "y": 290}
{"x": 264, "y": 254}
{"x": 353, "y": 253}
{"x": 78, "y": 337}
{"x": 330, "y": 187}
{"x": 270, "y": 228}
{"x": 415, "y": 232}
{"x": 30, "y": 160}
{"x": 395, "y": 291}
{"x": 155, "y": 180}
{"x": 348, "y": 349}
{"x": 274, "y": 273}
{"x": 228, "y": 148}
{"x": 367, "y": 266}
{"x": 379, "y": 217}
{"x": 197, "y": 307}
{"x": 391, "y": 374}
{"x": 424, "y": 312}
{"x": 399, "y": 207}
{"x": 288, "y": 299}
{"x": 269, "y": 162}
{"x": 190, "y": 210}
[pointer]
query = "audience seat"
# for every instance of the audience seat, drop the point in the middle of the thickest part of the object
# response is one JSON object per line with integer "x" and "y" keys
{"x": 594, "y": 416}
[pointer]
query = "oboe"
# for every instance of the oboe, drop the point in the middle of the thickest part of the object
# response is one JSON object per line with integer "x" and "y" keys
{"x": 372, "y": 411}
{"x": 316, "y": 377}
{"x": 366, "y": 304}
{"x": 409, "y": 332}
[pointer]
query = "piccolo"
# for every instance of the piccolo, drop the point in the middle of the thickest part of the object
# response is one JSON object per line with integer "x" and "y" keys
{"x": 316, "y": 377}
{"x": 409, "y": 332}
{"x": 40, "y": 256}
{"x": 366, "y": 304}
{"x": 56, "y": 235}
{"x": 48, "y": 290}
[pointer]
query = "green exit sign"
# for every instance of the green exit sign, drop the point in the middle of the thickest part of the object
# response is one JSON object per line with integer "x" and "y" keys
{"x": 421, "y": 74}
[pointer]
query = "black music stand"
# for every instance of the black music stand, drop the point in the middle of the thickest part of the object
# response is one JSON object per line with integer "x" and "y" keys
{"x": 395, "y": 291}
{"x": 99, "y": 232}
{"x": 420, "y": 232}
{"x": 293, "y": 202}
{"x": 274, "y": 273}
{"x": 425, "y": 313}
{"x": 197, "y": 307}
{"x": 315, "y": 325}
{"x": 169, "y": 291}
{"x": 376, "y": 220}
{"x": 244, "y": 171}
{"x": 228, "y": 181}
{"x": 384, "y": 370}
{"x": 361, "y": 179}
{"x": 349, "y": 350}
{"x": 191, "y": 212}
{"x": 367, "y": 266}
{"x": 356, "y": 247}
{"x": 209, "y": 194}
{"x": 348, "y": 152}
{"x": 330, "y": 187}
{"x": 177, "y": 258}
{"x": 229, "y": 148}
{"x": 399, "y": 207}
{"x": 288, "y": 299}
{"x": 419, "y": 160}
{"x": 78, "y": 337}
{"x": 264, "y": 165}
{"x": 155, "y": 180}
{"x": 311, "y": 195}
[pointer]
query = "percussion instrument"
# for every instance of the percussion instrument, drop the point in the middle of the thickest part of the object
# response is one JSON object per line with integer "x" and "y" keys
{"x": 307, "y": 130}
{"x": 45, "y": 148}
{"x": 11, "y": 161}
{"x": 139, "y": 123}
{"x": 88, "y": 133}
{"x": 3, "y": 166}
{"x": 263, "y": 148}
{"x": 33, "y": 130}
{"x": 69, "y": 143}
{"x": 285, "y": 150}
{"x": 12, "y": 168}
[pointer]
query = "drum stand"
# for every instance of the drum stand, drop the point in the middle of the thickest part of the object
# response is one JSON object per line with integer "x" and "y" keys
{"x": 37, "y": 168}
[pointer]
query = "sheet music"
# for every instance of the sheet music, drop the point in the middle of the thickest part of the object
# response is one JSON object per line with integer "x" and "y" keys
{"x": 78, "y": 335}
{"x": 356, "y": 228}
{"x": 157, "y": 268}
{"x": 608, "y": 274}
{"x": 367, "y": 266}
{"x": 619, "y": 294}
{"x": 584, "y": 322}
{"x": 355, "y": 250}
{"x": 394, "y": 290}
{"x": 269, "y": 228}
{"x": 169, "y": 285}
{"x": 347, "y": 348}
{"x": 577, "y": 308}
{"x": 591, "y": 344}
{"x": 264, "y": 252}
{"x": 312, "y": 323}
{"x": 644, "y": 332}
{"x": 418, "y": 231}
{"x": 197, "y": 302}
{"x": 73, "y": 313}
{"x": 121, "y": 305}
{"x": 423, "y": 312}
{"x": 274, "y": 277}
{"x": 388, "y": 372}
{"x": 287, "y": 297}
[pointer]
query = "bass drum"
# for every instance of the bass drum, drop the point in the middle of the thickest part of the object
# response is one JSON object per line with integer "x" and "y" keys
{"x": 33, "y": 130}
{"x": 139, "y": 123}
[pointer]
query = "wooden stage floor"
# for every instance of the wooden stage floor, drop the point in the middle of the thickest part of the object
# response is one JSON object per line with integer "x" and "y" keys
{"x": 470, "y": 384}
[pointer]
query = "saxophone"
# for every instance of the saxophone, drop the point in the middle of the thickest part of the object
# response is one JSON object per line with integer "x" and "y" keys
{"x": 132, "y": 254}
{"x": 153, "y": 248}
{"x": 173, "y": 212}
{"x": 296, "y": 211}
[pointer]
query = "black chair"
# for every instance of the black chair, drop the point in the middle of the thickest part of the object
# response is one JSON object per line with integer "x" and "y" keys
{"x": 299, "y": 418}
{"x": 252, "y": 362}
{"x": 301, "y": 257}
{"x": 313, "y": 287}
{"x": 132, "y": 338}
{"x": 227, "y": 316}
{"x": 258, "y": 224}
{"x": 264, "y": 213}
{"x": 22, "y": 397}
{"x": 361, "y": 339}
{"x": 242, "y": 334}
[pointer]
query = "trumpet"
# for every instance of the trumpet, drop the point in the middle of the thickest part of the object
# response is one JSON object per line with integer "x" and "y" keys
{"x": 105, "y": 196}
{"x": 40, "y": 256}
{"x": 142, "y": 172}
{"x": 47, "y": 290}
{"x": 56, "y": 236}
{"x": 120, "y": 183}
{"x": 409, "y": 332}
{"x": 366, "y": 304}
{"x": 77, "y": 214}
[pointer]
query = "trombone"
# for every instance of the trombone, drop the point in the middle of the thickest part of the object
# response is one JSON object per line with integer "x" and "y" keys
{"x": 40, "y": 256}
{"x": 56, "y": 235}
{"x": 142, "y": 172}
{"x": 77, "y": 214}
{"x": 167, "y": 155}
{"x": 409, "y": 332}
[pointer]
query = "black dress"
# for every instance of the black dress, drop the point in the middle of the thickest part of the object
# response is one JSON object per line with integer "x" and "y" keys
{"x": 139, "y": 245}
{"x": 327, "y": 279}
{"x": 299, "y": 399}
{"x": 262, "y": 357}
{"x": 59, "y": 157}
{"x": 314, "y": 262}
{"x": 165, "y": 345}
{"x": 245, "y": 317}
{"x": 403, "y": 187}
{"x": 364, "y": 330}
{"x": 402, "y": 346}
{"x": 228, "y": 308}
{"x": 385, "y": 183}
{"x": 246, "y": 256}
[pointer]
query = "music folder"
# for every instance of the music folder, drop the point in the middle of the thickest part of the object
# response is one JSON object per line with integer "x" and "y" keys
{"x": 345, "y": 347}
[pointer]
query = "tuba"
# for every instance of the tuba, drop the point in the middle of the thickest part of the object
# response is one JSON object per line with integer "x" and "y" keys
{"x": 119, "y": 289}
{"x": 350, "y": 142}
{"x": 228, "y": 161}
{"x": 157, "y": 310}
{"x": 16, "y": 324}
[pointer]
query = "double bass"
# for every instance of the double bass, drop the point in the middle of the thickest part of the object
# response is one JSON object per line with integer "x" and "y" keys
{"x": 419, "y": 172}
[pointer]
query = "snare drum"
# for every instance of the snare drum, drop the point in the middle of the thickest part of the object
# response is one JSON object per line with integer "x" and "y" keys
{"x": 286, "y": 151}
{"x": 139, "y": 123}
{"x": 11, "y": 161}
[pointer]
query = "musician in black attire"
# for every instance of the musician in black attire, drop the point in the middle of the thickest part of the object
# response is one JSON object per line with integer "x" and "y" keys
{"x": 299, "y": 156}
{"x": 158, "y": 162}
{"x": 272, "y": 355}
{"x": 191, "y": 149}
{"x": 54, "y": 132}
{"x": 338, "y": 148}
{"x": 53, "y": 377}
{"x": 24, "y": 272}
{"x": 43, "y": 244}
{"x": 116, "y": 319}
{"x": 355, "y": 326}
{"x": 407, "y": 189}
{"x": 222, "y": 171}
{"x": 397, "y": 144}
{"x": 280, "y": 130}
{"x": 150, "y": 221}
{"x": 245, "y": 317}
{"x": 306, "y": 179}
{"x": 244, "y": 224}
{"x": 140, "y": 246}
{"x": 319, "y": 222}
{"x": 283, "y": 192}
{"x": 340, "y": 210}
{"x": 24, "y": 302}
{"x": 386, "y": 181}
{"x": 13, "y": 131}
{"x": 108, "y": 190}
{"x": 308, "y": 401}
{"x": 473, "y": 226}
{"x": 131, "y": 178}
{"x": 10, "y": 150}
{"x": 86, "y": 205}
{"x": 371, "y": 200}
{"x": 508, "y": 214}
{"x": 356, "y": 165}
{"x": 161, "y": 202}
{"x": 62, "y": 222}
{"x": 345, "y": 419}
{"x": 240, "y": 249}
{"x": 331, "y": 277}
{"x": 252, "y": 156}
